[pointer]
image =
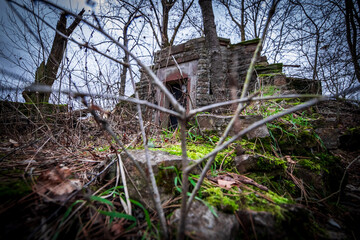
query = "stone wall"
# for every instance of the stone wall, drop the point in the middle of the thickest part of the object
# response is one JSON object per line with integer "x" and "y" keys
{"x": 236, "y": 59}
{"x": 190, "y": 61}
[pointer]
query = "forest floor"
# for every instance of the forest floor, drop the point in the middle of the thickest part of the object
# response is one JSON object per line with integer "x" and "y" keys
{"x": 50, "y": 171}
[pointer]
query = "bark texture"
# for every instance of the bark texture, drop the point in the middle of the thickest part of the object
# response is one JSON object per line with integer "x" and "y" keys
{"x": 352, "y": 35}
{"x": 213, "y": 46}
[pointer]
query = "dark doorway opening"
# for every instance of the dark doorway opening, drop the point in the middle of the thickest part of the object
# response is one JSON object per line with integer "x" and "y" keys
{"x": 178, "y": 88}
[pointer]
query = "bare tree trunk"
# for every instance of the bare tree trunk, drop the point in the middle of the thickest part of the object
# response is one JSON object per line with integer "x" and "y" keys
{"x": 351, "y": 36}
{"x": 213, "y": 45}
{"x": 125, "y": 68}
{"x": 126, "y": 56}
{"x": 166, "y": 6}
{"x": 242, "y": 29}
{"x": 46, "y": 73}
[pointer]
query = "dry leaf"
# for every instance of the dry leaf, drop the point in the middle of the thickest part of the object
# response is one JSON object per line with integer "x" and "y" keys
{"x": 289, "y": 160}
{"x": 117, "y": 228}
{"x": 55, "y": 185}
{"x": 14, "y": 143}
{"x": 225, "y": 183}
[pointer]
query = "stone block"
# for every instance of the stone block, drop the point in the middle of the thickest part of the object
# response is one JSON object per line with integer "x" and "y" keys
{"x": 279, "y": 80}
{"x": 164, "y": 177}
{"x": 330, "y": 137}
{"x": 202, "y": 224}
{"x": 218, "y": 123}
{"x": 246, "y": 162}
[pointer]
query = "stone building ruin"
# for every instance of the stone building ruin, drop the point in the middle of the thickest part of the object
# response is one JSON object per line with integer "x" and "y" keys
{"x": 184, "y": 69}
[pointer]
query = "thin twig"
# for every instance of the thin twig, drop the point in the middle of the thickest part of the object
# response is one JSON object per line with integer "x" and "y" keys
{"x": 155, "y": 190}
{"x": 343, "y": 177}
{"x": 123, "y": 179}
{"x": 254, "y": 126}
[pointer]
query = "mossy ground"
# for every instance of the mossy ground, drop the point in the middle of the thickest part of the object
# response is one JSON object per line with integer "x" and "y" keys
{"x": 293, "y": 144}
{"x": 13, "y": 187}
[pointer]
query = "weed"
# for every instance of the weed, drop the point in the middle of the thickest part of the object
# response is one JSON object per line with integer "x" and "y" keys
{"x": 103, "y": 149}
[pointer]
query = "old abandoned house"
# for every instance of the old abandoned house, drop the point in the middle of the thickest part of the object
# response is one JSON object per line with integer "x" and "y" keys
{"x": 184, "y": 69}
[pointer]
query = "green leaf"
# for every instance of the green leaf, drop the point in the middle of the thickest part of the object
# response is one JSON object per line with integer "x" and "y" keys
{"x": 115, "y": 214}
{"x": 68, "y": 211}
{"x": 211, "y": 208}
{"x": 191, "y": 180}
{"x": 110, "y": 190}
{"x": 147, "y": 215}
{"x": 102, "y": 200}
{"x": 176, "y": 179}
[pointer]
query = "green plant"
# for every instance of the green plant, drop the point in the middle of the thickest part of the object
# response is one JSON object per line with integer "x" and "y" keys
{"x": 310, "y": 165}
{"x": 103, "y": 149}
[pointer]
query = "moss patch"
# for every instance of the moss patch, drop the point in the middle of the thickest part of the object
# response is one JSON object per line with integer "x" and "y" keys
{"x": 252, "y": 41}
{"x": 271, "y": 68}
{"x": 13, "y": 188}
{"x": 231, "y": 200}
{"x": 197, "y": 151}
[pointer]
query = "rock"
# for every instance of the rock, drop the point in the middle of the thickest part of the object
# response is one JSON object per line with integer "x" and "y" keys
{"x": 279, "y": 80}
{"x": 350, "y": 142}
{"x": 164, "y": 177}
{"x": 261, "y": 223}
{"x": 245, "y": 162}
{"x": 330, "y": 137}
{"x": 293, "y": 224}
{"x": 202, "y": 224}
{"x": 218, "y": 123}
{"x": 246, "y": 121}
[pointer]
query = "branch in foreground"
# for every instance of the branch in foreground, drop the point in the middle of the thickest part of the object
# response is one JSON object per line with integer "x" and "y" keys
{"x": 249, "y": 99}
{"x": 237, "y": 136}
{"x": 85, "y": 45}
{"x": 156, "y": 194}
{"x": 46, "y": 88}
{"x": 256, "y": 125}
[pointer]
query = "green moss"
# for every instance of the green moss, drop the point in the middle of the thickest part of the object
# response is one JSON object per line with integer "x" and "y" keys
{"x": 277, "y": 182}
{"x": 255, "y": 40}
{"x": 216, "y": 197}
{"x": 12, "y": 189}
{"x": 271, "y": 68}
{"x": 165, "y": 178}
{"x": 270, "y": 163}
{"x": 232, "y": 200}
{"x": 269, "y": 75}
{"x": 326, "y": 160}
{"x": 310, "y": 165}
{"x": 197, "y": 151}
{"x": 257, "y": 203}
{"x": 269, "y": 90}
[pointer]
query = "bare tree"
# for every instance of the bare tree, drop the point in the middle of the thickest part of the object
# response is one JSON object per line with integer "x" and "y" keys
{"x": 228, "y": 4}
{"x": 46, "y": 72}
{"x": 163, "y": 18}
{"x": 352, "y": 22}
{"x": 213, "y": 45}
